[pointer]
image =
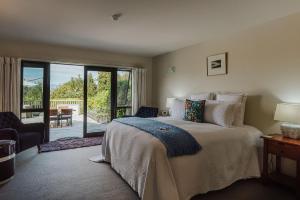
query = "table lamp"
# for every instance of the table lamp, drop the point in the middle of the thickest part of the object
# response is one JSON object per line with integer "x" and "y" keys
{"x": 169, "y": 104}
{"x": 289, "y": 115}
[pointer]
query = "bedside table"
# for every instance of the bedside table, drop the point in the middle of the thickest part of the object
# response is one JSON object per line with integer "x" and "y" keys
{"x": 281, "y": 147}
{"x": 7, "y": 160}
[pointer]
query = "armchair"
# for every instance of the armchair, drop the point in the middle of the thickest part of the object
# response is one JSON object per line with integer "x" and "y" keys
{"x": 146, "y": 112}
{"x": 25, "y": 135}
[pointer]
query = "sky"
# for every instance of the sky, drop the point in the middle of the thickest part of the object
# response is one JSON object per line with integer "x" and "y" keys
{"x": 59, "y": 74}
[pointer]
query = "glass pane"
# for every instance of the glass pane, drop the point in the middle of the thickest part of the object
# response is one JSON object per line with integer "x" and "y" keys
{"x": 66, "y": 101}
{"x": 124, "y": 93}
{"x": 122, "y": 111}
{"x": 33, "y": 88}
{"x": 98, "y": 100}
{"x": 32, "y": 117}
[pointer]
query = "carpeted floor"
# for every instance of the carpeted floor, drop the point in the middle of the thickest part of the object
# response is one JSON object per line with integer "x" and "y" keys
{"x": 70, "y": 175}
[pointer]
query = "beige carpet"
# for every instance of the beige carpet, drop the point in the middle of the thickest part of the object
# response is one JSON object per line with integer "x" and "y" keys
{"x": 64, "y": 175}
{"x": 68, "y": 174}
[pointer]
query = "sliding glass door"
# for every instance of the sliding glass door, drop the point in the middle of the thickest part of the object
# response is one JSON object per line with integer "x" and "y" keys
{"x": 99, "y": 99}
{"x": 35, "y": 92}
{"x": 67, "y": 97}
{"x": 66, "y": 101}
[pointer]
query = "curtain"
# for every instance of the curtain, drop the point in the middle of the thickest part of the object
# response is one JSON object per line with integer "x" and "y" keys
{"x": 10, "y": 69}
{"x": 139, "y": 89}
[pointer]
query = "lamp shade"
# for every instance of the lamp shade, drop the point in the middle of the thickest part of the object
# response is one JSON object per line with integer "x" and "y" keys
{"x": 288, "y": 112}
{"x": 169, "y": 102}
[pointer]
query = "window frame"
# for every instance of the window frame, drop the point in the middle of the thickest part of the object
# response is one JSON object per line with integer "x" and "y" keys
{"x": 46, "y": 91}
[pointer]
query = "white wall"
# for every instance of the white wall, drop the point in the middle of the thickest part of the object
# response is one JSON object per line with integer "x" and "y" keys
{"x": 263, "y": 62}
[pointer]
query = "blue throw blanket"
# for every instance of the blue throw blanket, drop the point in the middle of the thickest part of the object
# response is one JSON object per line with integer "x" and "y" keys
{"x": 176, "y": 140}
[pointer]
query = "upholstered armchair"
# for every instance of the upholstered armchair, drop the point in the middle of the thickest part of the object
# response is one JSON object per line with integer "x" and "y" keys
{"x": 25, "y": 135}
{"x": 146, "y": 112}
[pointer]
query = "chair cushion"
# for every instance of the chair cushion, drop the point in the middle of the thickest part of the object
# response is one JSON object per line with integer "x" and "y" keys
{"x": 9, "y": 120}
{"x": 146, "y": 112}
{"x": 29, "y": 139}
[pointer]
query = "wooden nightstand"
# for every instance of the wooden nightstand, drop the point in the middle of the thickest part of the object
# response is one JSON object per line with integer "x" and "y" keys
{"x": 281, "y": 147}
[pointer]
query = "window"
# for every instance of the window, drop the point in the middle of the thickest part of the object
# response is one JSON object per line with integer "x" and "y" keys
{"x": 33, "y": 91}
{"x": 124, "y": 93}
{"x": 33, "y": 87}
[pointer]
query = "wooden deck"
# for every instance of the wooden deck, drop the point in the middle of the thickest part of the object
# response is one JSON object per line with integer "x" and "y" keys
{"x": 76, "y": 130}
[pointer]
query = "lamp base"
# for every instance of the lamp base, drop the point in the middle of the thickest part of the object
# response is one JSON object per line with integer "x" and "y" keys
{"x": 290, "y": 130}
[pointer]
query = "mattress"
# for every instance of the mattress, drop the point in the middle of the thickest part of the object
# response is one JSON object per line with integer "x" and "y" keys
{"x": 227, "y": 155}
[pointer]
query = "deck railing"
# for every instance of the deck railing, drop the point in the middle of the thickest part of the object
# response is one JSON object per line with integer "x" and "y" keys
{"x": 54, "y": 103}
{"x": 33, "y": 104}
{"x": 98, "y": 115}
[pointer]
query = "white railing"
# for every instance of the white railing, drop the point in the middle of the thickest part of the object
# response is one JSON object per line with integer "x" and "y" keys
{"x": 54, "y": 103}
{"x": 33, "y": 104}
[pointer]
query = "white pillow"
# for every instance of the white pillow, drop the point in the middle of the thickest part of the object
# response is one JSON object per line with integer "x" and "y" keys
{"x": 201, "y": 96}
{"x": 219, "y": 113}
{"x": 239, "y": 100}
{"x": 177, "y": 109}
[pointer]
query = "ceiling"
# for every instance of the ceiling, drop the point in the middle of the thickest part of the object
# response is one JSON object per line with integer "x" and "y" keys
{"x": 147, "y": 27}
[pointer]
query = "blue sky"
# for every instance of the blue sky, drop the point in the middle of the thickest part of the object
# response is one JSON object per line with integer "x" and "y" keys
{"x": 33, "y": 73}
{"x": 59, "y": 74}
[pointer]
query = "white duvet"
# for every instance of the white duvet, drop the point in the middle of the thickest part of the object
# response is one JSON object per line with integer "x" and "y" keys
{"x": 227, "y": 155}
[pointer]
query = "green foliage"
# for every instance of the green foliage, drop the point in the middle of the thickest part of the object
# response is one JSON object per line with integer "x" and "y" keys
{"x": 124, "y": 89}
{"x": 99, "y": 97}
{"x": 70, "y": 89}
{"x": 99, "y": 86}
{"x": 92, "y": 87}
{"x": 33, "y": 93}
{"x": 121, "y": 112}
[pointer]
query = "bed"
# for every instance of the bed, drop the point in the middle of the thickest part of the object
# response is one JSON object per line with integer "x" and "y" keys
{"x": 227, "y": 155}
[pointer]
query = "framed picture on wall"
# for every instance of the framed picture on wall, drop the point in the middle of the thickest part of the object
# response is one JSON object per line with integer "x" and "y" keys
{"x": 217, "y": 64}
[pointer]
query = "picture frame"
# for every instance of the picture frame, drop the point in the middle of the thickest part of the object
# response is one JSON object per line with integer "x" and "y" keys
{"x": 217, "y": 64}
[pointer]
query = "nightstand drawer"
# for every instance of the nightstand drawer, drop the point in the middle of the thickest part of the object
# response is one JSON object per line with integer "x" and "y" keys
{"x": 283, "y": 149}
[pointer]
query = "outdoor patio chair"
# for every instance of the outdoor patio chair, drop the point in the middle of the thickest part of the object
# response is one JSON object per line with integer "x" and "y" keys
{"x": 54, "y": 116}
{"x": 66, "y": 114}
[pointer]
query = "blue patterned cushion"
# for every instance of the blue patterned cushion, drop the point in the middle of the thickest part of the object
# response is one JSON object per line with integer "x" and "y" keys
{"x": 194, "y": 110}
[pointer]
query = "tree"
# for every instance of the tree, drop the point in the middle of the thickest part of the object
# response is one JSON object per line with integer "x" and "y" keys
{"x": 33, "y": 93}
{"x": 104, "y": 81}
{"x": 70, "y": 89}
{"x": 98, "y": 91}
{"x": 124, "y": 89}
{"x": 92, "y": 87}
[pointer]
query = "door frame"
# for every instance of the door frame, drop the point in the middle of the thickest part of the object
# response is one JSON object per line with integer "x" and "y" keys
{"x": 113, "y": 104}
{"x": 46, "y": 92}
